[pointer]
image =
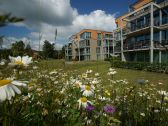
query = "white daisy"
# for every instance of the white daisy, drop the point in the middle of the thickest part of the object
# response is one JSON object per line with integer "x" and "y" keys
{"x": 83, "y": 102}
{"x": 95, "y": 81}
{"x": 97, "y": 74}
{"x": 87, "y": 90}
{"x": 2, "y": 63}
{"x": 77, "y": 84}
{"x": 163, "y": 93}
{"x": 89, "y": 71}
{"x": 111, "y": 71}
{"x": 23, "y": 61}
{"x": 8, "y": 88}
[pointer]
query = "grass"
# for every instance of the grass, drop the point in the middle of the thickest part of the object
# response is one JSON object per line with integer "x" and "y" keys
{"x": 52, "y": 97}
{"x": 102, "y": 67}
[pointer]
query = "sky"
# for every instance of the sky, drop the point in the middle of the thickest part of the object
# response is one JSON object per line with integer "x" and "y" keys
{"x": 67, "y": 16}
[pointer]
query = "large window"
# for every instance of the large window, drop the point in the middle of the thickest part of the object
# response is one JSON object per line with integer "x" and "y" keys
{"x": 165, "y": 35}
{"x": 98, "y": 42}
{"x": 108, "y": 36}
{"x": 133, "y": 25}
{"x": 85, "y": 35}
{"x": 88, "y": 34}
{"x": 165, "y": 15}
{"x": 87, "y": 50}
{"x": 98, "y": 50}
{"x": 156, "y": 18}
{"x": 156, "y": 36}
{"x": 87, "y": 42}
{"x": 140, "y": 22}
{"x": 99, "y": 36}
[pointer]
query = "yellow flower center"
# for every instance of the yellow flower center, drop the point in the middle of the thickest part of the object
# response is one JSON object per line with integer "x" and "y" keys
{"x": 87, "y": 87}
{"x": 19, "y": 62}
{"x": 84, "y": 99}
{"x": 4, "y": 82}
{"x": 107, "y": 92}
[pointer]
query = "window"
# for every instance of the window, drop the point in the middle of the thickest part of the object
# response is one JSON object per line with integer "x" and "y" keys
{"x": 87, "y": 42}
{"x": 98, "y": 42}
{"x": 98, "y": 57}
{"x": 165, "y": 35}
{"x": 82, "y": 36}
{"x": 98, "y": 50}
{"x": 156, "y": 36}
{"x": 108, "y": 36}
{"x": 87, "y": 57}
{"x": 133, "y": 25}
{"x": 85, "y": 35}
{"x": 165, "y": 15}
{"x": 99, "y": 36}
{"x": 87, "y": 50}
{"x": 140, "y": 22}
{"x": 156, "y": 18}
{"x": 88, "y": 34}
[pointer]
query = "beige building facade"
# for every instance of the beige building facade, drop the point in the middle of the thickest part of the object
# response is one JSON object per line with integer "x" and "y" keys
{"x": 89, "y": 44}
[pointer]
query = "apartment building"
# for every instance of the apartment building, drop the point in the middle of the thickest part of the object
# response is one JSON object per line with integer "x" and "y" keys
{"x": 142, "y": 33}
{"x": 90, "y": 44}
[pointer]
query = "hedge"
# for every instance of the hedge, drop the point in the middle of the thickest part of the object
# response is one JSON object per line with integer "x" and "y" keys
{"x": 155, "y": 67}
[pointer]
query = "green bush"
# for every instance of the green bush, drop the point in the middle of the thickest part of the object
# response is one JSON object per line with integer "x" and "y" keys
{"x": 155, "y": 67}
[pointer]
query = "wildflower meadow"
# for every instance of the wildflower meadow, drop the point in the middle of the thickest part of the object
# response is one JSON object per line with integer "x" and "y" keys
{"x": 40, "y": 93}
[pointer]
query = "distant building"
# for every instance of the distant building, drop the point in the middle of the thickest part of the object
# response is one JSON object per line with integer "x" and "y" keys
{"x": 90, "y": 44}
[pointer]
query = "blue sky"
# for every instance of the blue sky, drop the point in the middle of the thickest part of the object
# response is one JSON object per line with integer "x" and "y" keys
{"x": 68, "y": 16}
{"x": 110, "y": 6}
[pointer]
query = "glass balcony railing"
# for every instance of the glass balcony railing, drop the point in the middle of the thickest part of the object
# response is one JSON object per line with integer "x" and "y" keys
{"x": 117, "y": 49}
{"x": 142, "y": 45}
{"x": 69, "y": 53}
{"x": 136, "y": 27}
{"x": 141, "y": 25}
{"x": 164, "y": 20}
{"x": 164, "y": 43}
{"x": 137, "y": 45}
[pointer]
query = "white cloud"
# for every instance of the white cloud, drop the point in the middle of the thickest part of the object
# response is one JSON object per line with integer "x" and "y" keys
{"x": 95, "y": 20}
{"x": 35, "y": 12}
{"x": 47, "y": 15}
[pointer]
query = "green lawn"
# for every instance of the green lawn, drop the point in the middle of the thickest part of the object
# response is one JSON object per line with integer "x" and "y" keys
{"x": 102, "y": 67}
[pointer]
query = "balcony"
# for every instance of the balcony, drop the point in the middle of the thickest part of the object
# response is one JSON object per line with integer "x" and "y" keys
{"x": 144, "y": 45}
{"x": 108, "y": 38}
{"x": 139, "y": 13}
{"x": 137, "y": 45}
{"x": 117, "y": 49}
{"x": 83, "y": 53}
{"x": 164, "y": 43}
{"x": 70, "y": 54}
{"x": 163, "y": 3}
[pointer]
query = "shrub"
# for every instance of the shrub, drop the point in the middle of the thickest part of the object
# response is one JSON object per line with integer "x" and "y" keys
{"x": 155, "y": 67}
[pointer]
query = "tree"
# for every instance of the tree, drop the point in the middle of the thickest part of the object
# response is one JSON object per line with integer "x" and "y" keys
{"x": 18, "y": 48}
{"x": 5, "y": 53}
{"x": 48, "y": 49}
{"x": 4, "y": 20}
{"x": 1, "y": 41}
{"x": 62, "y": 53}
{"x": 28, "y": 50}
{"x": 7, "y": 18}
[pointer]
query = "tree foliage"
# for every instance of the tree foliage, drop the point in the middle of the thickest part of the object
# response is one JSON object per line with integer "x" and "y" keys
{"x": 28, "y": 50}
{"x": 48, "y": 49}
{"x": 7, "y": 18}
{"x": 18, "y": 48}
